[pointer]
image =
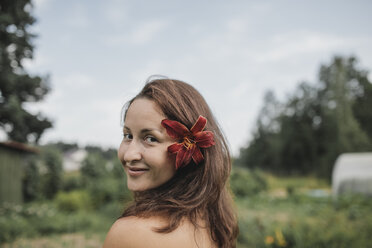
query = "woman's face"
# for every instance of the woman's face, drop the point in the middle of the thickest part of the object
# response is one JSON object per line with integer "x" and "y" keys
{"x": 143, "y": 150}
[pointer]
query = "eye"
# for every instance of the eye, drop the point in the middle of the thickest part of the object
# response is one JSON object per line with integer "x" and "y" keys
{"x": 150, "y": 139}
{"x": 127, "y": 136}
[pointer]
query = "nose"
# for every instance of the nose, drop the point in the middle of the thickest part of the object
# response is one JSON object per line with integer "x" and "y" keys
{"x": 132, "y": 152}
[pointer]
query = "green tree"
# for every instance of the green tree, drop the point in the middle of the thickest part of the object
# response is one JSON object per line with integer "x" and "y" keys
{"x": 316, "y": 124}
{"x": 64, "y": 147}
{"x": 52, "y": 173}
{"x": 104, "y": 177}
{"x": 262, "y": 152}
{"x": 31, "y": 181}
{"x": 299, "y": 122}
{"x": 363, "y": 102}
{"x": 340, "y": 88}
{"x": 16, "y": 85}
{"x": 339, "y": 130}
{"x": 93, "y": 167}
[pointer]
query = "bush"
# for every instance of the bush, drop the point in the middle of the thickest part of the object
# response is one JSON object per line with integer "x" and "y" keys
{"x": 245, "y": 182}
{"x": 108, "y": 190}
{"x": 72, "y": 181}
{"x": 112, "y": 210}
{"x": 51, "y": 179}
{"x": 305, "y": 222}
{"x": 37, "y": 219}
{"x": 18, "y": 220}
{"x": 13, "y": 226}
{"x": 73, "y": 201}
{"x": 31, "y": 186}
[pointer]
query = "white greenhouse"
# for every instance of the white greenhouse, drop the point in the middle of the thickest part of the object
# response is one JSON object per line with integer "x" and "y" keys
{"x": 352, "y": 173}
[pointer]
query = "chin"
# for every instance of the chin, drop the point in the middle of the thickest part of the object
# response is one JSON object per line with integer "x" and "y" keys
{"x": 137, "y": 188}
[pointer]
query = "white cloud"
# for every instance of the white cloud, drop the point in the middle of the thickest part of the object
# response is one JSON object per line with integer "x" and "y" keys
{"x": 78, "y": 80}
{"x": 240, "y": 91}
{"x": 284, "y": 46}
{"x": 77, "y": 16}
{"x": 116, "y": 12}
{"x": 38, "y": 62}
{"x": 41, "y": 4}
{"x": 115, "y": 39}
{"x": 232, "y": 54}
{"x": 146, "y": 31}
{"x": 141, "y": 34}
{"x": 84, "y": 110}
{"x": 237, "y": 25}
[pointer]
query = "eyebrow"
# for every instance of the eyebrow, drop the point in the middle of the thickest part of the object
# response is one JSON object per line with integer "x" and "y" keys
{"x": 145, "y": 130}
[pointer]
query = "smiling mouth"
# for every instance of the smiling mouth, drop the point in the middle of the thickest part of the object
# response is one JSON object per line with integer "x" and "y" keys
{"x": 133, "y": 171}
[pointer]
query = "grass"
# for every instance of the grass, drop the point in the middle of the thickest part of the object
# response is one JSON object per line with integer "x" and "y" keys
{"x": 300, "y": 220}
{"x": 275, "y": 182}
{"x": 41, "y": 220}
{"x": 60, "y": 241}
{"x": 285, "y": 215}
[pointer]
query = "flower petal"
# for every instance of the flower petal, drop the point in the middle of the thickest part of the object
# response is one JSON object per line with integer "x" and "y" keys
{"x": 199, "y": 125}
{"x": 174, "y": 148}
{"x": 175, "y": 129}
{"x": 192, "y": 140}
{"x": 197, "y": 156}
{"x": 188, "y": 155}
{"x": 204, "y": 139}
{"x": 180, "y": 157}
{"x": 184, "y": 156}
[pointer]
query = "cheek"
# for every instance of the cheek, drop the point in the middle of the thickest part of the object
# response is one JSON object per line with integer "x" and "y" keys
{"x": 169, "y": 165}
{"x": 169, "y": 160}
{"x": 163, "y": 161}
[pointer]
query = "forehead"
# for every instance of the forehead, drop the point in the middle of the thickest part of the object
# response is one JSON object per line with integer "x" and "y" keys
{"x": 143, "y": 112}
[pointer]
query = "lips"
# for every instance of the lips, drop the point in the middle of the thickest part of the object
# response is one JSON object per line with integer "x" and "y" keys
{"x": 136, "y": 171}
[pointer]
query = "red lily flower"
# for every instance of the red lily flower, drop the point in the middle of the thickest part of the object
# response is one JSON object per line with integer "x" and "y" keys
{"x": 190, "y": 140}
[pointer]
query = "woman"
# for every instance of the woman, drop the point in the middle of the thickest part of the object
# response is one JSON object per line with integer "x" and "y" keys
{"x": 177, "y": 164}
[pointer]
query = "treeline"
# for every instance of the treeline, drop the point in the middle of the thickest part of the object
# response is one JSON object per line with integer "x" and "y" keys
{"x": 56, "y": 201}
{"x": 100, "y": 179}
{"x": 305, "y": 134}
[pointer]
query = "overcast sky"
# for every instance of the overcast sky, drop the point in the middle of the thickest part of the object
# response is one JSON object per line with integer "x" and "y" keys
{"x": 100, "y": 53}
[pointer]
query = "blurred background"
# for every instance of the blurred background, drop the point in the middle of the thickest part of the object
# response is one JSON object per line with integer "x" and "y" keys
{"x": 288, "y": 81}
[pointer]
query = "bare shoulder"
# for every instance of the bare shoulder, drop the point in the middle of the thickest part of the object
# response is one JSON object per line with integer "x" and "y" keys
{"x": 136, "y": 232}
{"x": 128, "y": 232}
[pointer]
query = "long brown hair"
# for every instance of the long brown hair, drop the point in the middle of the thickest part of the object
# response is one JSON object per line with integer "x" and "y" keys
{"x": 195, "y": 191}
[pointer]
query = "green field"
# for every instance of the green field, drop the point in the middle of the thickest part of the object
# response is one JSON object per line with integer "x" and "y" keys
{"x": 289, "y": 212}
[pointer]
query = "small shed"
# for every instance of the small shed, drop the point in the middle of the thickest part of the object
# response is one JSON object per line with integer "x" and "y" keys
{"x": 352, "y": 173}
{"x": 13, "y": 156}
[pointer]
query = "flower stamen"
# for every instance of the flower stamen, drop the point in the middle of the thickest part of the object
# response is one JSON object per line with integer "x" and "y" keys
{"x": 188, "y": 143}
